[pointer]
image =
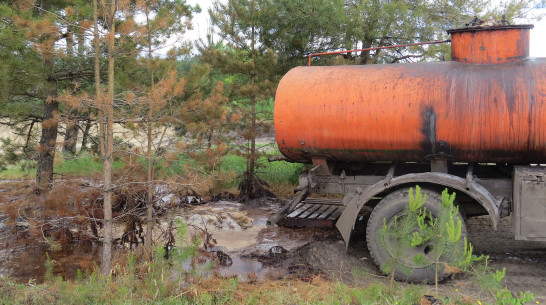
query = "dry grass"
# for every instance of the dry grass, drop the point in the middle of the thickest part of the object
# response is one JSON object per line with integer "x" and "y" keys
{"x": 282, "y": 189}
{"x": 318, "y": 290}
{"x": 241, "y": 219}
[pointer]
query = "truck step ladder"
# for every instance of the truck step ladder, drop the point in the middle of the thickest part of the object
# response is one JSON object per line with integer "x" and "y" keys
{"x": 308, "y": 212}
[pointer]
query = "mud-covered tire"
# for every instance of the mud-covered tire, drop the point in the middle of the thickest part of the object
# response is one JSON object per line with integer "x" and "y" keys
{"x": 390, "y": 206}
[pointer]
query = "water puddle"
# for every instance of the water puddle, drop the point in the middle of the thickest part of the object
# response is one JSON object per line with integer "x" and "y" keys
{"x": 236, "y": 230}
{"x": 25, "y": 263}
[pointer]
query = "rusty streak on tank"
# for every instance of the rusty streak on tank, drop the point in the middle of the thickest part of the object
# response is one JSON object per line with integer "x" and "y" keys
{"x": 488, "y": 105}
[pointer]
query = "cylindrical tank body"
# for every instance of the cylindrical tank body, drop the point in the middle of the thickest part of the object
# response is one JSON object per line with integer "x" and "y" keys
{"x": 412, "y": 112}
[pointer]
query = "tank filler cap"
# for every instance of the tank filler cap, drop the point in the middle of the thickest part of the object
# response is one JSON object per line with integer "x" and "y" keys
{"x": 490, "y": 42}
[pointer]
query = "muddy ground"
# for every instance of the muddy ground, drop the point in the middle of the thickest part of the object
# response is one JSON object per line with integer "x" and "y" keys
{"x": 259, "y": 252}
{"x": 525, "y": 261}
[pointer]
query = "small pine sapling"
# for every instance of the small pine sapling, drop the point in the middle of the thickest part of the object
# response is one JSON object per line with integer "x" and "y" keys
{"x": 441, "y": 233}
{"x": 400, "y": 234}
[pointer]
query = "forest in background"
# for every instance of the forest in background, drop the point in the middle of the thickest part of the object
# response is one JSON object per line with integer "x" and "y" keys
{"x": 113, "y": 92}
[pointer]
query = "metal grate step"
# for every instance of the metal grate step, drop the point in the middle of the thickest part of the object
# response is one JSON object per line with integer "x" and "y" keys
{"x": 313, "y": 212}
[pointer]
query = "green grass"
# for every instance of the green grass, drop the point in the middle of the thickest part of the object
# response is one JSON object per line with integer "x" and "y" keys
{"x": 271, "y": 172}
{"x": 175, "y": 168}
{"x": 159, "y": 286}
{"x": 16, "y": 172}
{"x": 279, "y": 172}
{"x": 80, "y": 166}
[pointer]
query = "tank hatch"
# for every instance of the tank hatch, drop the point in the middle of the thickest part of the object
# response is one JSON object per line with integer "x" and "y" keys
{"x": 490, "y": 42}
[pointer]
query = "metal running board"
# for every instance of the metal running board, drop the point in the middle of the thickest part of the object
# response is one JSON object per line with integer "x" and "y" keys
{"x": 308, "y": 212}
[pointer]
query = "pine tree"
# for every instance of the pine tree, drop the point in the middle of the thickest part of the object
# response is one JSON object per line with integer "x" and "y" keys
{"x": 107, "y": 143}
{"x": 241, "y": 25}
{"x": 45, "y": 55}
{"x": 300, "y": 27}
{"x": 165, "y": 20}
{"x": 207, "y": 118}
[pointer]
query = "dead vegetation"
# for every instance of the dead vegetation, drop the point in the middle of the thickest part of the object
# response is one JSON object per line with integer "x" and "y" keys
{"x": 253, "y": 187}
{"x": 71, "y": 212}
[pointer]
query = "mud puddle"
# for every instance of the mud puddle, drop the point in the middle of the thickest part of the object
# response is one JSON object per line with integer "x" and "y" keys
{"x": 237, "y": 230}
{"x": 240, "y": 231}
{"x": 27, "y": 262}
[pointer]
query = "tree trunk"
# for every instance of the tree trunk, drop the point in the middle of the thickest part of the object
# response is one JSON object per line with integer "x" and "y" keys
{"x": 150, "y": 173}
{"x": 85, "y": 136}
{"x": 108, "y": 140}
{"x": 81, "y": 41}
{"x": 69, "y": 42}
{"x": 71, "y": 137}
{"x": 48, "y": 141}
{"x": 252, "y": 162}
{"x": 150, "y": 186}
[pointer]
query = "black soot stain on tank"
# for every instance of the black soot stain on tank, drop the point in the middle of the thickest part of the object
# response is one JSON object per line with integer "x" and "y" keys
{"x": 429, "y": 130}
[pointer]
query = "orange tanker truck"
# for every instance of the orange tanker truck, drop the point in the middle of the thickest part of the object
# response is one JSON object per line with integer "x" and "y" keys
{"x": 475, "y": 125}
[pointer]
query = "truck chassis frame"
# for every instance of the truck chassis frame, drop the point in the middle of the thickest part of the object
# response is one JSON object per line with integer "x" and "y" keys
{"x": 492, "y": 189}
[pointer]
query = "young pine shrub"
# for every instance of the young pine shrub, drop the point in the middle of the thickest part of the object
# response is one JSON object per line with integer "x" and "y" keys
{"x": 441, "y": 234}
{"x": 400, "y": 235}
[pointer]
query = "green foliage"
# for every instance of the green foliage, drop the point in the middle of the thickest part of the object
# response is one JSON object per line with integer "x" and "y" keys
{"x": 415, "y": 227}
{"x": 300, "y": 27}
{"x": 271, "y": 172}
{"x": 454, "y": 230}
{"x": 499, "y": 275}
{"x": 415, "y": 203}
{"x": 505, "y": 297}
{"x": 48, "y": 264}
{"x": 14, "y": 152}
{"x": 20, "y": 65}
{"x": 467, "y": 258}
{"x": 252, "y": 65}
{"x": 444, "y": 232}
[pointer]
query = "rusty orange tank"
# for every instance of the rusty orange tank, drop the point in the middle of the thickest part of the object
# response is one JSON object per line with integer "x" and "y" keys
{"x": 487, "y": 105}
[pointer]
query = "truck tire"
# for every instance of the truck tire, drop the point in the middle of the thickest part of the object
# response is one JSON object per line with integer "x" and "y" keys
{"x": 406, "y": 268}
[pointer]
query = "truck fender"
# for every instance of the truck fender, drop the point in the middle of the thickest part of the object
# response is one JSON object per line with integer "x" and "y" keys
{"x": 361, "y": 196}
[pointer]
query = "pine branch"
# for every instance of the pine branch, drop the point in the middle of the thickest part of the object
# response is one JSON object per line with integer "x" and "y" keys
{"x": 69, "y": 75}
{"x": 406, "y": 57}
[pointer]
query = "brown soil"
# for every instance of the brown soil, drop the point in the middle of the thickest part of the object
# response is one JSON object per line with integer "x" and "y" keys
{"x": 258, "y": 252}
{"x": 325, "y": 254}
{"x": 525, "y": 261}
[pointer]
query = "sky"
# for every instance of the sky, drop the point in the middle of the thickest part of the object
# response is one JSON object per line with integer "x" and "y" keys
{"x": 201, "y": 22}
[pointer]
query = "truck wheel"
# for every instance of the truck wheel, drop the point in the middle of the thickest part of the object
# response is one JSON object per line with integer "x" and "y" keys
{"x": 382, "y": 246}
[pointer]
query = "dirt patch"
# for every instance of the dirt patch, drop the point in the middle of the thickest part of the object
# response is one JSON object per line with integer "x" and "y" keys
{"x": 525, "y": 261}
{"x": 332, "y": 260}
